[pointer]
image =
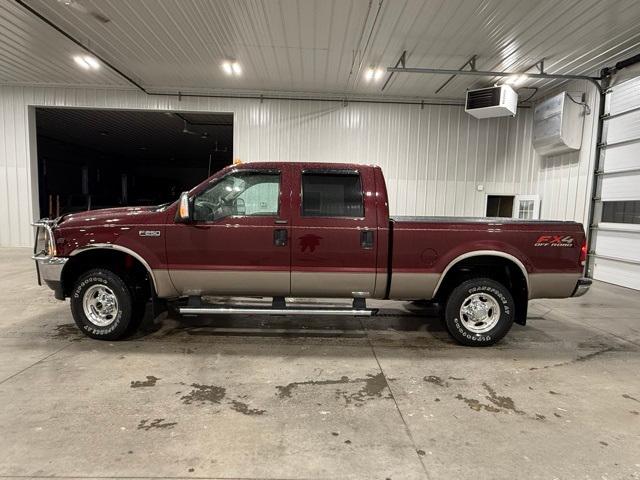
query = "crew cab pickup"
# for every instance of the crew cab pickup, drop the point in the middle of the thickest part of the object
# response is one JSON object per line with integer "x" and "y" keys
{"x": 304, "y": 230}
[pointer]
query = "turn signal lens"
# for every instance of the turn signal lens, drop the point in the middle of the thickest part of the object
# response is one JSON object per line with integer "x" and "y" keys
{"x": 184, "y": 207}
{"x": 51, "y": 244}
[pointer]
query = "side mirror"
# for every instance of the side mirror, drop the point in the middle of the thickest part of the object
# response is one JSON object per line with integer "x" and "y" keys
{"x": 184, "y": 213}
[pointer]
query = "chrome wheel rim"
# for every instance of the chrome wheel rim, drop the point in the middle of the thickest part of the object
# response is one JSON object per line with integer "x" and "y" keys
{"x": 480, "y": 312}
{"x": 100, "y": 305}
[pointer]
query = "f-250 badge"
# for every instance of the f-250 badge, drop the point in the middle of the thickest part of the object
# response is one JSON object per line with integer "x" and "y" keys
{"x": 554, "y": 241}
{"x": 149, "y": 233}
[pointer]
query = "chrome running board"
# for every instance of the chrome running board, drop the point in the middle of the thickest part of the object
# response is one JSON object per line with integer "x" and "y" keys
{"x": 226, "y": 310}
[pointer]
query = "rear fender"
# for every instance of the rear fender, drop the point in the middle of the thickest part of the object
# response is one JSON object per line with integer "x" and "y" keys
{"x": 478, "y": 253}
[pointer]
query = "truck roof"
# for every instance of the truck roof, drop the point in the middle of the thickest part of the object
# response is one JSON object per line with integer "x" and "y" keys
{"x": 326, "y": 165}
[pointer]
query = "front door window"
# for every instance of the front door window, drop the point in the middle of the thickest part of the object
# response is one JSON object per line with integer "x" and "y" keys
{"x": 246, "y": 194}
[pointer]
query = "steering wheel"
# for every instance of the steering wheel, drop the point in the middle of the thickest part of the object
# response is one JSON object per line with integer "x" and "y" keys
{"x": 204, "y": 209}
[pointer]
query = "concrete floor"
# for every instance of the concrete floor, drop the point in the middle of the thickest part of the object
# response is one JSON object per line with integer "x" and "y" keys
{"x": 291, "y": 398}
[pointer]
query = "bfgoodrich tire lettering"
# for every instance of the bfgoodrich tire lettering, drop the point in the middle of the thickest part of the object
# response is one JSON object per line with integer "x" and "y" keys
{"x": 118, "y": 327}
{"x": 495, "y": 317}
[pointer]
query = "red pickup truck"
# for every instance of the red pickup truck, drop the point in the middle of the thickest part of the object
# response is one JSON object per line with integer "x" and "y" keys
{"x": 303, "y": 230}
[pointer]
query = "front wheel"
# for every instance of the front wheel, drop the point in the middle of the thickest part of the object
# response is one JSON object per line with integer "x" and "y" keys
{"x": 102, "y": 305}
{"x": 479, "y": 312}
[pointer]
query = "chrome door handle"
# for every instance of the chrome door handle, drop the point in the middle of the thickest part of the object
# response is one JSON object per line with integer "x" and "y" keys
{"x": 281, "y": 222}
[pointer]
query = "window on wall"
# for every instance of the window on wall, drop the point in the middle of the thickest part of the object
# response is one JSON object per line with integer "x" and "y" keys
{"x": 524, "y": 207}
{"x": 621, "y": 212}
{"x": 500, "y": 205}
{"x": 332, "y": 195}
{"x": 527, "y": 207}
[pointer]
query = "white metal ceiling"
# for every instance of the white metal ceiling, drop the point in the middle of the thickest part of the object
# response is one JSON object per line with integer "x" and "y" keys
{"x": 311, "y": 46}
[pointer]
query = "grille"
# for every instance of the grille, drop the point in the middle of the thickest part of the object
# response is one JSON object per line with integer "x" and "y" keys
{"x": 486, "y": 97}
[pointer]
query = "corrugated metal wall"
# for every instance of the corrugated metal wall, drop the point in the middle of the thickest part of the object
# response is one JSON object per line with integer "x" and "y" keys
{"x": 433, "y": 157}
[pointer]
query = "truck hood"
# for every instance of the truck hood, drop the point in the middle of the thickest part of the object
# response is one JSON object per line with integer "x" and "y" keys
{"x": 110, "y": 216}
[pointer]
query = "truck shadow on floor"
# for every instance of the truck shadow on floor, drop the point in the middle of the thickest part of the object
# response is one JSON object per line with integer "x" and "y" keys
{"x": 392, "y": 329}
{"x": 406, "y": 325}
{"x": 420, "y": 319}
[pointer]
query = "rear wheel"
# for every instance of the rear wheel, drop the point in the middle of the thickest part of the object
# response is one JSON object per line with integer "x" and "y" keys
{"x": 103, "y": 306}
{"x": 479, "y": 312}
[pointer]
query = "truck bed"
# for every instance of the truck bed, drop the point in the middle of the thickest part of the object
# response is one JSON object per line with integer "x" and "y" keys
{"x": 422, "y": 248}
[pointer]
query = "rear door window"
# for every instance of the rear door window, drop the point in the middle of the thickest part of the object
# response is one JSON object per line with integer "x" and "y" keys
{"x": 332, "y": 194}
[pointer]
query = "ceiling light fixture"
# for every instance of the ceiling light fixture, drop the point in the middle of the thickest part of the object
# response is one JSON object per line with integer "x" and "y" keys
{"x": 93, "y": 63}
{"x": 374, "y": 74}
{"x": 231, "y": 68}
{"x": 368, "y": 75}
{"x": 81, "y": 63}
{"x": 86, "y": 62}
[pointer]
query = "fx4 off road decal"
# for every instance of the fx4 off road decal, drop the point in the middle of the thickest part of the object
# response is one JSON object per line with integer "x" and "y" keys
{"x": 555, "y": 241}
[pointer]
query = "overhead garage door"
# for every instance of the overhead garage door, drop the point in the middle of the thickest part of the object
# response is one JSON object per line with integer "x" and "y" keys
{"x": 617, "y": 215}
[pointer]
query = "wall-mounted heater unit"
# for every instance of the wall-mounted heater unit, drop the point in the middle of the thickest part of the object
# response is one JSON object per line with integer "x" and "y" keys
{"x": 500, "y": 101}
{"x": 557, "y": 125}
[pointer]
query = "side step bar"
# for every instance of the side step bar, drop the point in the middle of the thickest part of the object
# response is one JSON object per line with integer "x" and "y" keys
{"x": 195, "y": 306}
{"x": 226, "y": 310}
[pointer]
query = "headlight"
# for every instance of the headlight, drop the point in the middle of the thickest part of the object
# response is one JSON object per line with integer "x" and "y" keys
{"x": 42, "y": 242}
{"x": 45, "y": 242}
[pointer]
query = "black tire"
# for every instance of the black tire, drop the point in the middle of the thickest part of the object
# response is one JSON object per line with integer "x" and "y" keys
{"x": 120, "y": 321}
{"x": 466, "y": 329}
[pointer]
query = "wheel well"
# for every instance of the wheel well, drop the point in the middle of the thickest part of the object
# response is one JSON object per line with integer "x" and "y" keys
{"x": 118, "y": 262}
{"x": 500, "y": 269}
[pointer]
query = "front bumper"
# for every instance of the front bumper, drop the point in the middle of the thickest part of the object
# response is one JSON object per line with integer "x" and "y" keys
{"x": 582, "y": 287}
{"x": 48, "y": 265}
{"x": 49, "y": 270}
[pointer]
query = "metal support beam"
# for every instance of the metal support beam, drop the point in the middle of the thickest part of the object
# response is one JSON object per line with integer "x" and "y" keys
{"x": 401, "y": 61}
{"x": 487, "y": 73}
{"x": 472, "y": 65}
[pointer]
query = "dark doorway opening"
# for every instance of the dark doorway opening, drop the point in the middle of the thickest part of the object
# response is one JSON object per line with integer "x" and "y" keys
{"x": 500, "y": 205}
{"x": 90, "y": 159}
